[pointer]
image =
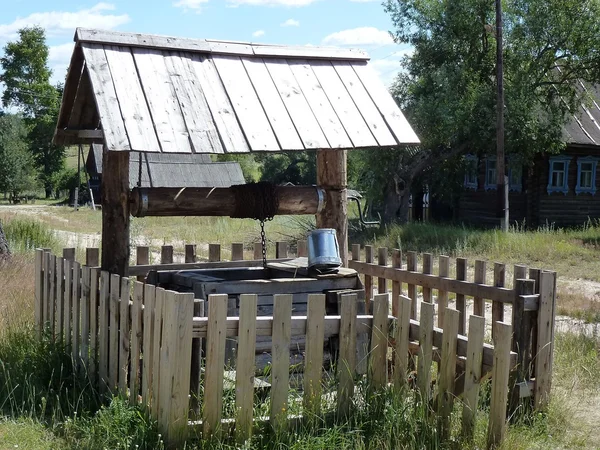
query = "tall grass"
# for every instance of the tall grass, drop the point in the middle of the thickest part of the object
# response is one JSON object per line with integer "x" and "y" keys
{"x": 25, "y": 234}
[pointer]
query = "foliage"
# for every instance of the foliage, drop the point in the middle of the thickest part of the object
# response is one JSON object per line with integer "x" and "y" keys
{"x": 247, "y": 161}
{"x": 289, "y": 167}
{"x": 16, "y": 174}
{"x": 26, "y": 234}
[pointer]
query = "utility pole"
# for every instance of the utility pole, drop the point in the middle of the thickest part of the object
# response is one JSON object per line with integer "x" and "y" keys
{"x": 501, "y": 178}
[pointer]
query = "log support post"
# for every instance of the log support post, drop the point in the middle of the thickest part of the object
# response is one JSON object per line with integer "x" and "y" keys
{"x": 115, "y": 212}
{"x": 332, "y": 176}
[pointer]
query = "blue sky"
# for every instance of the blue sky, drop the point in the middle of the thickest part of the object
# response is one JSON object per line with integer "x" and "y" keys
{"x": 348, "y": 23}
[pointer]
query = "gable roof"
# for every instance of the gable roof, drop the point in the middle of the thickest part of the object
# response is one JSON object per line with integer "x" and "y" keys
{"x": 173, "y": 170}
{"x": 174, "y": 95}
{"x": 583, "y": 128}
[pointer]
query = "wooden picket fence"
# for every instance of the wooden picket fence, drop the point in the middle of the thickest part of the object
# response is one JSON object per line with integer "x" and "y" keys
{"x": 136, "y": 340}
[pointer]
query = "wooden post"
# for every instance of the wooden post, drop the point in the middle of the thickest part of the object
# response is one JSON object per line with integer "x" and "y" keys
{"x": 142, "y": 257}
{"x": 115, "y": 212}
{"x": 521, "y": 342}
{"x": 498, "y": 307}
{"x": 461, "y": 307}
{"x": 302, "y": 249}
{"x": 92, "y": 257}
{"x": 500, "y": 375}
{"x": 480, "y": 276}
{"x": 237, "y": 251}
{"x": 281, "y": 250}
{"x": 382, "y": 261}
{"x": 332, "y": 176}
{"x": 69, "y": 254}
{"x": 545, "y": 339}
{"x": 190, "y": 253}
{"x": 166, "y": 254}
{"x": 214, "y": 252}
{"x": 396, "y": 285}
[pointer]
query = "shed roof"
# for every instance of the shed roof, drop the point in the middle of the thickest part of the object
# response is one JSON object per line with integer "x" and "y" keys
{"x": 173, "y": 170}
{"x": 174, "y": 95}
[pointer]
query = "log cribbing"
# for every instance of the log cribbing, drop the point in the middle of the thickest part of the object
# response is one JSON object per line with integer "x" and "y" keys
{"x": 293, "y": 200}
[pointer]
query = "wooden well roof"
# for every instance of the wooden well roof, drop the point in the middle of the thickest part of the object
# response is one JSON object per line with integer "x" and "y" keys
{"x": 174, "y": 95}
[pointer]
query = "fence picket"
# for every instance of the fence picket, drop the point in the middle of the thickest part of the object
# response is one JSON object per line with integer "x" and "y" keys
{"x": 46, "y": 289}
{"x": 447, "y": 372}
{"x": 379, "y": 342}
{"x": 237, "y": 251}
{"x": 280, "y": 369}
{"x": 303, "y": 249}
{"x": 69, "y": 254}
{"x": 461, "y": 307}
{"x": 500, "y": 376}
{"x": 39, "y": 291}
{"x": 545, "y": 339}
{"x": 190, "y": 253}
{"x": 472, "y": 374}
{"x": 113, "y": 340}
{"x": 215, "y": 360}
{"x": 244, "y": 381}
{"x": 52, "y": 296}
{"x": 257, "y": 251}
{"x": 498, "y": 307}
{"x": 425, "y": 350}
{"x": 368, "y": 279}
{"x": 396, "y": 285}
{"x": 480, "y": 278}
{"x": 142, "y": 257}
{"x": 382, "y": 261}
{"x": 214, "y": 252}
{"x": 136, "y": 340}
{"x": 315, "y": 336}
{"x": 85, "y": 314}
{"x": 427, "y": 270}
{"x": 166, "y": 254}
{"x": 92, "y": 257}
{"x": 411, "y": 265}
{"x": 401, "y": 336}
{"x": 94, "y": 280}
{"x": 159, "y": 303}
{"x": 76, "y": 302}
{"x": 148, "y": 343}
{"x": 124, "y": 337}
{"x": 442, "y": 299}
{"x": 68, "y": 301}
{"x": 60, "y": 298}
{"x": 346, "y": 366}
{"x": 103, "y": 331}
{"x": 281, "y": 250}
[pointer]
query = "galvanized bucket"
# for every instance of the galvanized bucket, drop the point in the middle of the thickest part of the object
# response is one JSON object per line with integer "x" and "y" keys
{"x": 323, "y": 250}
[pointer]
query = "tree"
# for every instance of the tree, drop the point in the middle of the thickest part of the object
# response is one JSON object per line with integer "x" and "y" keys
{"x": 26, "y": 77}
{"x": 16, "y": 172}
{"x": 447, "y": 86}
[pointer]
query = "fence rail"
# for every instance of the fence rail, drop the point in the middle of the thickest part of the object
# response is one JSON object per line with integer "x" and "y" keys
{"x": 141, "y": 341}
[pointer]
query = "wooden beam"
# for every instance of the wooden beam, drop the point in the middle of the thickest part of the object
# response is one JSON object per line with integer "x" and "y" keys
{"x": 332, "y": 175}
{"x": 96, "y": 135}
{"x": 115, "y": 212}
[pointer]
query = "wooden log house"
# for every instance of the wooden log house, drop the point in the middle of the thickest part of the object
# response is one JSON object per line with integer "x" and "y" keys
{"x": 156, "y": 94}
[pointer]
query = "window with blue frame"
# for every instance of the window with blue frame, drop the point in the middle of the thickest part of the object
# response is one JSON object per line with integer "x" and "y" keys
{"x": 558, "y": 177}
{"x": 586, "y": 175}
{"x": 490, "y": 174}
{"x": 471, "y": 172}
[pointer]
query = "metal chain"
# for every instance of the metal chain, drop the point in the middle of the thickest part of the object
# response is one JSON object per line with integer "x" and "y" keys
{"x": 263, "y": 241}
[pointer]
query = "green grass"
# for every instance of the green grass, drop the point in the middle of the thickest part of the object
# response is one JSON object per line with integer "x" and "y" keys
{"x": 25, "y": 234}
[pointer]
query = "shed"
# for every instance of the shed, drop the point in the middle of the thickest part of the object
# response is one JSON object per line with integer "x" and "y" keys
{"x": 134, "y": 92}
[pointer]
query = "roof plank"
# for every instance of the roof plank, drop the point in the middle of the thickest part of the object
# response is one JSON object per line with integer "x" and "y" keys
{"x": 364, "y": 104}
{"x": 342, "y": 103}
{"x": 385, "y": 103}
{"x": 307, "y": 125}
{"x": 220, "y": 107}
{"x": 160, "y": 94}
{"x": 134, "y": 109}
{"x": 246, "y": 104}
{"x": 107, "y": 101}
{"x": 71, "y": 86}
{"x": 196, "y": 113}
{"x": 278, "y": 116}
{"x": 320, "y": 105}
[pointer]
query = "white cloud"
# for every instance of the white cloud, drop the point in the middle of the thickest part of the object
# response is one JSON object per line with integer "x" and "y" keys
{"x": 289, "y": 3}
{"x": 388, "y": 67}
{"x": 291, "y": 23}
{"x": 61, "y": 22}
{"x": 359, "y": 36}
{"x": 258, "y": 33}
{"x": 59, "y": 57}
{"x": 364, "y": 1}
{"x": 194, "y": 5}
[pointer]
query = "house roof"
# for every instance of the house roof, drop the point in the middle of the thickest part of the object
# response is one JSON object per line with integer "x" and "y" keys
{"x": 173, "y": 170}
{"x": 583, "y": 128}
{"x": 174, "y": 95}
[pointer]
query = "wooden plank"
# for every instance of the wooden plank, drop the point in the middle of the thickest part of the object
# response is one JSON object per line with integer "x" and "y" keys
{"x": 60, "y": 297}
{"x": 237, "y": 251}
{"x": 166, "y": 254}
{"x": 472, "y": 374}
{"x": 368, "y": 278}
{"x": 204, "y": 136}
{"x": 401, "y": 337}
{"x": 132, "y": 101}
{"x": 92, "y": 257}
{"x": 461, "y": 306}
{"x": 222, "y": 112}
{"x": 427, "y": 270}
{"x": 69, "y": 254}
{"x": 425, "y": 350}
{"x": 396, "y": 285}
{"x": 321, "y": 107}
{"x": 500, "y": 375}
{"x": 411, "y": 266}
{"x": 167, "y": 362}
{"x": 113, "y": 340}
{"x": 143, "y": 270}
{"x": 46, "y": 289}
{"x": 245, "y": 368}
{"x": 50, "y": 318}
{"x": 68, "y": 302}
{"x": 273, "y": 105}
{"x": 442, "y": 298}
{"x": 281, "y": 250}
{"x": 343, "y": 104}
{"x": 521, "y": 338}
{"x": 346, "y": 368}
{"x": 159, "y": 304}
{"x": 447, "y": 371}
{"x": 499, "y": 280}
{"x": 124, "y": 335}
{"x": 246, "y": 103}
{"x": 94, "y": 304}
{"x": 309, "y": 52}
{"x": 382, "y": 255}
{"x": 214, "y": 252}
{"x": 71, "y": 84}
{"x": 215, "y": 357}
{"x": 85, "y": 315}
{"x": 258, "y": 251}
{"x": 532, "y": 320}
{"x": 379, "y": 342}
{"x": 76, "y": 299}
{"x": 148, "y": 343}
{"x": 519, "y": 272}
{"x": 297, "y": 106}
{"x": 386, "y": 105}
{"x": 480, "y": 278}
{"x": 190, "y": 253}
{"x": 280, "y": 369}
{"x": 162, "y": 101}
{"x": 136, "y": 341}
{"x": 142, "y": 257}
{"x": 435, "y": 282}
{"x": 107, "y": 102}
{"x": 364, "y": 104}
{"x": 545, "y": 340}
{"x": 302, "y": 248}
{"x": 39, "y": 291}
{"x": 313, "y": 366}
{"x": 103, "y": 331}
